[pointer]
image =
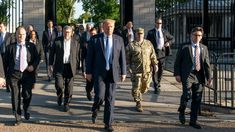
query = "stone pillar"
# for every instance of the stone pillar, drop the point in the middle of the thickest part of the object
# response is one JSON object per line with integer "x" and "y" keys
{"x": 144, "y": 14}
{"x": 34, "y": 13}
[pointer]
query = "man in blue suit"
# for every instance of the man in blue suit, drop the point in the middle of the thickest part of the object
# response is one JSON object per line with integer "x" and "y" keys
{"x": 106, "y": 64}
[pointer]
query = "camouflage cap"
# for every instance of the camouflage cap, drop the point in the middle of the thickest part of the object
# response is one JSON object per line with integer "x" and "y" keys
{"x": 140, "y": 30}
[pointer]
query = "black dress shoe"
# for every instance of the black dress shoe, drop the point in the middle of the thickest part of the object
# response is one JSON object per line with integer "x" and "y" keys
{"x": 195, "y": 125}
{"x": 49, "y": 79}
{"x": 26, "y": 115}
{"x": 182, "y": 118}
{"x": 157, "y": 90}
{"x": 66, "y": 108}
{"x": 17, "y": 122}
{"x": 89, "y": 97}
{"x": 59, "y": 100}
{"x": 108, "y": 128}
{"x": 93, "y": 117}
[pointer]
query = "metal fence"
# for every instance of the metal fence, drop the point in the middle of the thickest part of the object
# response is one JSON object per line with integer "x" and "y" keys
{"x": 16, "y": 15}
{"x": 217, "y": 17}
{"x": 222, "y": 92}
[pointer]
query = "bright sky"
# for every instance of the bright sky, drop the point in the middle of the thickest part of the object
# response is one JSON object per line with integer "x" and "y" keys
{"x": 78, "y": 10}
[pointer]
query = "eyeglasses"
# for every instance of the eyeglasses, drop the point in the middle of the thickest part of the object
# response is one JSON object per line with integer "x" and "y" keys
{"x": 197, "y": 35}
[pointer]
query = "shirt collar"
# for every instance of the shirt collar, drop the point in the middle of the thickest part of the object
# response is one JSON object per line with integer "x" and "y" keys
{"x": 105, "y": 36}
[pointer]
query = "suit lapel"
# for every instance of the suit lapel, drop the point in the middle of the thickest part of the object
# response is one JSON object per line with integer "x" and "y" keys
{"x": 154, "y": 36}
{"x": 72, "y": 48}
{"x": 101, "y": 39}
{"x": 28, "y": 51}
{"x": 191, "y": 52}
{"x": 114, "y": 47}
{"x": 14, "y": 52}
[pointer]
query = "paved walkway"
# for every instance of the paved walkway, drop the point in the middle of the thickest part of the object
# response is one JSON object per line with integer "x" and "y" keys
{"x": 160, "y": 110}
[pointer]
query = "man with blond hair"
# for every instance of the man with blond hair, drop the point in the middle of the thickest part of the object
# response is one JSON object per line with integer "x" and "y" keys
{"x": 106, "y": 65}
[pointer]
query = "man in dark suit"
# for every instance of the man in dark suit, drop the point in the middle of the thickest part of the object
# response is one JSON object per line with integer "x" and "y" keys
{"x": 128, "y": 34}
{"x": 4, "y": 41}
{"x": 106, "y": 64}
{"x": 89, "y": 84}
{"x": 63, "y": 61}
{"x": 192, "y": 69}
{"x": 21, "y": 61}
{"x": 48, "y": 38}
{"x": 2, "y": 75}
{"x": 161, "y": 40}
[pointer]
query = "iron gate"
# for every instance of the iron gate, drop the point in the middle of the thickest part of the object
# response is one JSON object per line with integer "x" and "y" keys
{"x": 217, "y": 17}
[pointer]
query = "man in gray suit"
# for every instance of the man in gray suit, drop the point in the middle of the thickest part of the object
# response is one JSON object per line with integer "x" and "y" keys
{"x": 106, "y": 64}
{"x": 4, "y": 42}
{"x": 63, "y": 61}
{"x": 161, "y": 40}
{"x": 192, "y": 69}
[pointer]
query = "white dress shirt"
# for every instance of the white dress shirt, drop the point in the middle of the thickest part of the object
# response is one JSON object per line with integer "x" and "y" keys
{"x": 67, "y": 44}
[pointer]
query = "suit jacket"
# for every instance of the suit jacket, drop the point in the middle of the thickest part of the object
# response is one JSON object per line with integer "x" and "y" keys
{"x": 46, "y": 41}
{"x": 39, "y": 48}
{"x": 5, "y": 42}
{"x": 1, "y": 68}
{"x": 184, "y": 62}
{"x": 125, "y": 36}
{"x": 57, "y": 54}
{"x": 32, "y": 58}
{"x": 151, "y": 36}
{"x": 95, "y": 62}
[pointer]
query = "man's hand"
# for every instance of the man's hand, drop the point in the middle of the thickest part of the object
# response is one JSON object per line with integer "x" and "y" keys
{"x": 2, "y": 82}
{"x": 89, "y": 77}
{"x": 50, "y": 68}
{"x": 84, "y": 75}
{"x": 209, "y": 82}
{"x": 167, "y": 44}
{"x": 123, "y": 77}
{"x": 30, "y": 68}
{"x": 178, "y": 78}
{"x": 156, "y": 68}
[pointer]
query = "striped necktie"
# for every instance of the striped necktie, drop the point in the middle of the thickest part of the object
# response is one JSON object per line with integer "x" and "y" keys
{"x": 197, "y": 58}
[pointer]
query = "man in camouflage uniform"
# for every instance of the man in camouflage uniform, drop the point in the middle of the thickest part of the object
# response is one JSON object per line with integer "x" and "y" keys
{"x": 140, "y": 57}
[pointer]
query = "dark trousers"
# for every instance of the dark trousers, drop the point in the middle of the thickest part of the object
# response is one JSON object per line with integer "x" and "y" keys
{"x": 21, "y": 85}
{"x": 46, "y": 53}
{"x": 65, "y": 82}
{"x": 104, "y": 89}
{"x": 158, "y": 76}
{"x": 89, "y": 86}
{"x": 192, "y": 88}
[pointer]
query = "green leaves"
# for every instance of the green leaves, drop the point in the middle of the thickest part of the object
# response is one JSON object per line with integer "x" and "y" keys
{"x": 5, "y": 5}
{"x": 102, "y": 9}
{"x": 65, "y": 10}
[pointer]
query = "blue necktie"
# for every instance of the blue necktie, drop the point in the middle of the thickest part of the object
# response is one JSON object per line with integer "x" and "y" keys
{"x": 107, "y": 54}
{"x": 158, "y": 34}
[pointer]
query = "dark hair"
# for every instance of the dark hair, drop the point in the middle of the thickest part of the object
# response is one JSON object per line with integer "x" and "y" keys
{"x": 197, "y": 29}
{"x": 92, "y": 29}
{"x": 4, "y": 23}
{"x": 30, "y": 34}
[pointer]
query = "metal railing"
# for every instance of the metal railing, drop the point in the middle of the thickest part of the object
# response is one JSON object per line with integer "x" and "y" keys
{"x": 222, "y": 92}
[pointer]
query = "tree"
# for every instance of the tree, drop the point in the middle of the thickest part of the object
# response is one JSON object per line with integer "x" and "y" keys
{"x": 163, "y": 5}
{"x": 4, "y": 6}
{"x": 102, "y": 9}
{"x": 65, "y": 10}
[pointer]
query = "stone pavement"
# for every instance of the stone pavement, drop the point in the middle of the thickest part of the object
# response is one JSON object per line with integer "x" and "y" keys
{"x": 159, "y": 109}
